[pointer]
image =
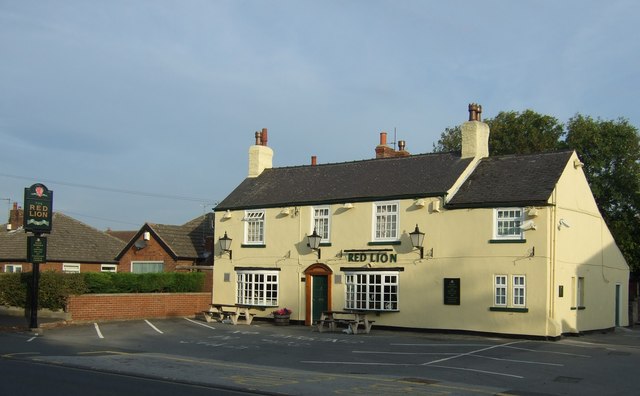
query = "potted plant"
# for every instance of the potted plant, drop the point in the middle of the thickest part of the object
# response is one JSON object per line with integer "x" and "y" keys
{"x": 281, "y": 316}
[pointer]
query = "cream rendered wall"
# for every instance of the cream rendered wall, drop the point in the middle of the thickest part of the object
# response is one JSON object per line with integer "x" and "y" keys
{"x": 585, "y": 249}
{"x": 460, "y": 240}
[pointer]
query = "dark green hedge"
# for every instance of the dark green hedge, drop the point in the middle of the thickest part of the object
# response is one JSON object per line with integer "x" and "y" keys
{"x": 55, "y": 287}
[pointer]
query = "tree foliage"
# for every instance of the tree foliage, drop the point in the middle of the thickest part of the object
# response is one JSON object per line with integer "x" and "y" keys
{"x": 609, "y": 149}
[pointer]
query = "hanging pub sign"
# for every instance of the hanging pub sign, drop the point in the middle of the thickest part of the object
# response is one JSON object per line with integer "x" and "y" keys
{"x": 36, "y": 249}
{"x": 38, "y": 209}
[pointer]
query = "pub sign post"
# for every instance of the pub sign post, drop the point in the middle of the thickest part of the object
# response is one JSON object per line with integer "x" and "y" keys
{"x": 38, "y": 215}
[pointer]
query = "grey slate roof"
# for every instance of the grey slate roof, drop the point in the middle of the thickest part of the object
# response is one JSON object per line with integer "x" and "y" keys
{"x": 185, "y": 241}
{"x": 70, "y": 241}
{"x": 512, "y": 180}
{"x": 386, "y": 178}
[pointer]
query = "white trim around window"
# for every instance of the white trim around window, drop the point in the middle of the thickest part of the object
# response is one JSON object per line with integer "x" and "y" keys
{"x": 374, "y": 291}
{"x": 321, "y": 222}
{"x": 519, "y": 290}
{"x": 145, "y": 267}
{"x": 386, "y": 221}
{"x": 254, "y": 227}
{"x": 506, "y": 223}
{"x": 257, "y": 287}
{"x": 500, "y": 290}
{"x": 71, "y": 268}
{"x": 108, "y": 268}
{"x": 9, "y": 268}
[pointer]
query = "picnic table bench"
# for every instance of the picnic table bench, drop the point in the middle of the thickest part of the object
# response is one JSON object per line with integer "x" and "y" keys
{"x": 353, "y": 320}
{"x": 229, "y": 312}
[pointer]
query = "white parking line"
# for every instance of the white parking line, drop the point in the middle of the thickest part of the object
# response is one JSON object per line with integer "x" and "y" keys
{"x": 550, "y": 352}
{"x": 471, "y": 353}
{"x": 518, "y": 361}
{"x": 98, "y": 330}
{"x": 199, "y": 323}
{"x": 477, "y": 371}
{"x": 32, "y": 338}
{"x": 405, "y": 353}
{"x": 153, "y": 327}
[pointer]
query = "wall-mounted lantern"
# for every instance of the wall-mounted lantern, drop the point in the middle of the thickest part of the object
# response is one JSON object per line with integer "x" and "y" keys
{"x": 225, "y": 245}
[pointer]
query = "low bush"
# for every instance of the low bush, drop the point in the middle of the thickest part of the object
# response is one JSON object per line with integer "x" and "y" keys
{"x": 55, "y": 287}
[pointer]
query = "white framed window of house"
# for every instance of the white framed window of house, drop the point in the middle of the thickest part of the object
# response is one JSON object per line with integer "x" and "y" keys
{"x": 71, "y": 268}
{"x": 146, "y": 267}
{"x": 257, "y": 287}
{"x": 386, "y": 216}
{"x": 500, "y": 290}
{"x": 507, "y": 223}
{"x": 254, "y": 227}
{"x": 13, "y": 268}
{"x": 577, "y": 297}
{"x": 321, "y": 222}
{"x": 108, "y": 268}
{"x": 519, "y": 287}
{"x": 375, "y": 291}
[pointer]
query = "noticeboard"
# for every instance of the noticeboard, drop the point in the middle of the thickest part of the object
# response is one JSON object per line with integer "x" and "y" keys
{"x": 452, "y": 291}
{"x": 36, "y": 249}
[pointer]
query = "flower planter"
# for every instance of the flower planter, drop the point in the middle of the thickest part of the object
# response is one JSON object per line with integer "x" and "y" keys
{"x": 281, "y": 320}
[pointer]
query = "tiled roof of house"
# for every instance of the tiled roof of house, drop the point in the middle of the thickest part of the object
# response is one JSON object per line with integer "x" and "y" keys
{"x": 386, "y": 178}
{"x": 70, "y": 241}
{"x": 187, "y": 241}
{"x": 512, "y": 180}
{"x": 124, "y": 236}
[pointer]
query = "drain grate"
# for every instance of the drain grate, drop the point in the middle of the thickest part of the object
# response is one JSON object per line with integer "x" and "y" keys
{"x": 619, "y": 353}
{"x": 418, "y": 381}
{"x": 568, "y": 380}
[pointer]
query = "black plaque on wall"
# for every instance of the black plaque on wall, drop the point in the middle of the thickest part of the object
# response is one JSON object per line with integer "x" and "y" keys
{"x": 451, "y": 291}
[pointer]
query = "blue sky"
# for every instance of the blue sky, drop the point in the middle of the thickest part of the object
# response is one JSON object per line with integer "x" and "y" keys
{"x": 143, "y": 111}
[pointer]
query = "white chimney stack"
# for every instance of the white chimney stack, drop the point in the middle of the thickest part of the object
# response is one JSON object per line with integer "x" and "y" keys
{"x": 475, "y": 134}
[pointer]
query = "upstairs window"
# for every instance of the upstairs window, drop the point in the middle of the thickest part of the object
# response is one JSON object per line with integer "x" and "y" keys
{"x": 322, "y": 222}
{"x": 508, "y": 222}
{"x": 71, "y": 268}
{"x": 385, "y": 221}
{"x": 254, "y": 227}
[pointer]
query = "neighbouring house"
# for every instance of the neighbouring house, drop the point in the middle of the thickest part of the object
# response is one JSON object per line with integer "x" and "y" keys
{"x": 72, "y": 246}
{"x": 512, "y": 244}
{"x": 168, "y": 248}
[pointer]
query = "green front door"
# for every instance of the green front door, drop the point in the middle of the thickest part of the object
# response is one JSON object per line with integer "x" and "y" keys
{"x": 319, "y": 295}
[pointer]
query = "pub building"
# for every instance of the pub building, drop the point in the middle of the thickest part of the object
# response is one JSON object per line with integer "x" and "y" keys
{"x": 458, "y": 241}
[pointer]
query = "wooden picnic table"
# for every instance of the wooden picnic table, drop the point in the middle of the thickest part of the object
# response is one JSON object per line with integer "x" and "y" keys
{"x": 352, "y": 319}
{"x": 230, "y": 312}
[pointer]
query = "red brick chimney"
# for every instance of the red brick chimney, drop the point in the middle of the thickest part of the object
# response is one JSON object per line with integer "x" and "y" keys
{"x": 314, "y": 160}
{"x": 16, "y": 217}
{"x": 384, "y": 151}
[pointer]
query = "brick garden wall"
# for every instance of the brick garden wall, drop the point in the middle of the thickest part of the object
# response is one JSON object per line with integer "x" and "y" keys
{"x": 90, "y": 307}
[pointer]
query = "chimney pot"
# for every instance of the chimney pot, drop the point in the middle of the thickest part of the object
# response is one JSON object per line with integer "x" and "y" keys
{"x": 401, "y": 145}
{"x": 383, "y": 138}
{"x": 258, "y": 139}
{"x": 314, "y": 160}
{"x": 264, "y": 136}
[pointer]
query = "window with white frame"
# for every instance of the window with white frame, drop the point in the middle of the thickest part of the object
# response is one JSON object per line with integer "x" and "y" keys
{"x": 322, "y": 222}
{"x": 578, "y": 294}
{"x": 254, "y": 227}
{"x": 519, "y": 289}
{"x": 257, "y": 288}
{"x": 108, "y": 268}
{"x": 385, "y": 221}
{"x": 507, "y": 223}
{"x": 146, "y": 267}
{"x": 71, "y": 268}
{"x": 13, "y": 268}
{"x": 372, "y": 290}
{"x": 500, "y": 290}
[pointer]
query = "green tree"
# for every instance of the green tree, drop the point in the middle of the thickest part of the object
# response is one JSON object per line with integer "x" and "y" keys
{"x": 511, "y": 133}
{"x": 609, "y": 149}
